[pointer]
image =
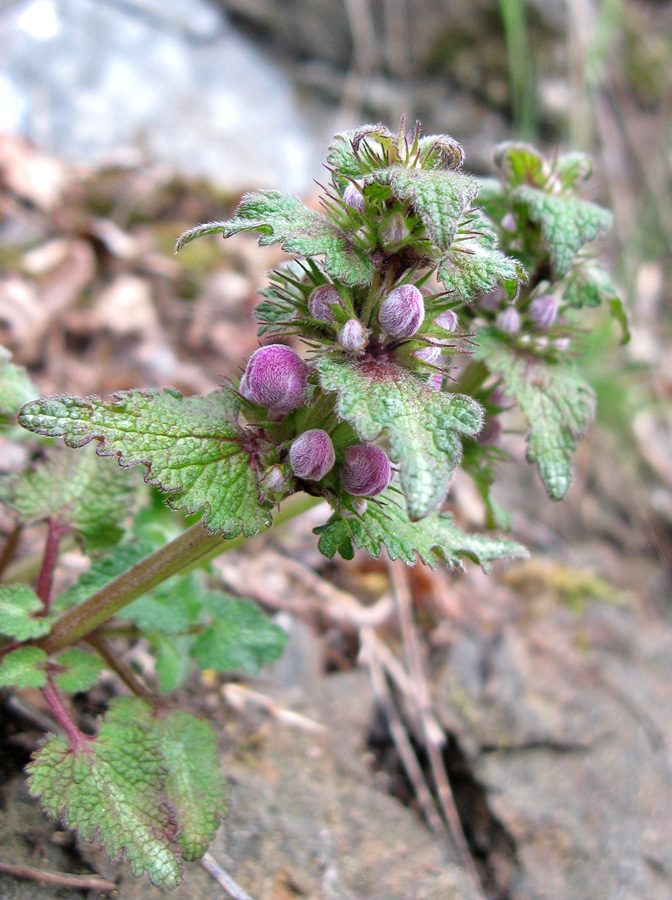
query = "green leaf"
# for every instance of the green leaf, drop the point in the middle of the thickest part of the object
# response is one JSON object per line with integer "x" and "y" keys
{"x": 423, "y": 425}
{"x": 194, "y": 784}
{"x": 590, "y": 285}
{"x": 190, "y": 449}
{"x": 170, "y": 607}
{"x": 173, "y": 662}
{"x": 567, "y": 224}
{"x": 521, "y": 164}
{"x": 439, "y": 197}
{"x": 111, "y": 789}
{"x": 573, "y": 169}
{"x": 283, "y": 219}
{"x": 102, "y": 571}
{"x": 77, "y": 489}
{"x": 23, "y": 667}
{"x": 81, "y": 670}
{"x": 474, "y": 265}
{"x": 434, "y": 539}
{"x": 555, "y": 400}
{"x": 241, "y": 636}
{"x": 16, "y": 388}
{"x": 18, "y": 603}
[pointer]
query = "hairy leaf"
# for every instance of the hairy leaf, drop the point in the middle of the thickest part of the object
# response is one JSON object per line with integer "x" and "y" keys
{"x": 18, "y": 604}
{"x": 16, "y": 388}
{"x": 567, "y": 224}
{"x": 173, "y": 662}
{"x": 573, "y": 169}
{"x": 434, "y": 539}
{"x": 111, "y": 789}
{"x": 194, "y": 783}
{"x": 423, "y": 425}
{"x": 102, "y": 571}
{"x": 241, "y": 636}
{"x": 590, "y": 285}
{"x": 170, "y": 607}
{"x": 555, "y": 400}
{"x": 81, "y": 669}
{"x": 474, "y": 265}
{"x": 80, "y": 490}
{"x": 521, "y": 164}
{"x": 283, "y": 219}
{"x": 439, "y": 197}
{"x": 23, "y": 668}
{"x": 189, "y": 447}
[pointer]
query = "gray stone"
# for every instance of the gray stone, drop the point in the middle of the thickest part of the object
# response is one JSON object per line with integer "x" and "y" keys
{"x": 89, "y": 80}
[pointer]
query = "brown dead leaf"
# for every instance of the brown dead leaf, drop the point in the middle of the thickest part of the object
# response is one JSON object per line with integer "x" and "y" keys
{"x": 125, "y": 307}
{"x": 32, "y": 174}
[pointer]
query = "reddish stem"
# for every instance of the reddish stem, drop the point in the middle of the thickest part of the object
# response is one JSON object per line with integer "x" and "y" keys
{"x": 77, "y": 738}
{"x": 46, "y": 577}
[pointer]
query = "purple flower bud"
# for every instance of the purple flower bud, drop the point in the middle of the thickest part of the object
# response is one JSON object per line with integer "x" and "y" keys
{"x": 396, "y": 229}
{"x": 352, "y": 197}
{"x": 402, "y": 311}
{"x": 311, "y": 455}
{"x": 508, "y": 320}
{"x": 492, "y": 300}
{"x": 544, "y": 310}
{"x": 435, "y": 381}
{"x": 275, "y": 378}
{"x": 367, "y": 471}
{"x": 508, "y": 223}
{"x": 429, "y": 355}
{"x": 276, "y": 481}
{"x": 490, "y": 432}
{"x": 447, "y": 320}
{"x": 321, "y": 300}
{"x": 561, "y": 343}
{"x": 353, "y": 336}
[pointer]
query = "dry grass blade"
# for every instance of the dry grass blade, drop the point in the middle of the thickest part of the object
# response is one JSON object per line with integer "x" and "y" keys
{"x": 238, "y": 696}
{"x": 223, "y": 879}
{"x": 78, "y": 882}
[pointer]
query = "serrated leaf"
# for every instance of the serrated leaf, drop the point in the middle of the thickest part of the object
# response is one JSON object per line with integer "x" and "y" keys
{"x": 567, "y": 224}
{"x": 23, "y": 668}
{"x": 590, "y": 285}
{"x": 173, "y": 662}
{"x": 111, "y": 789}
{"x": 439, "y": 197}
{"x": 77, "y": 489}
{"x": 434, "y": 539}
{"x": 190, "y": 449}
{"x": 81, "y": 670}
{"x": 521, "y": 164}
{"x": 282, "y": 219}
{"x": 241, "y": 636}
{"x": 16, "y": 388}
{"x": 102, "y": 571}
{"x": 194, "y": 784}
{"x": 18, "y": 604}
{"x": 474, "y": 265}
{"x": 555, "y": 400}
{"x": 423, "y": 425}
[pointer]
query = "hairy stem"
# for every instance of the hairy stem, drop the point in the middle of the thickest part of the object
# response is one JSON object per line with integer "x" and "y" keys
{"x": 195, "y": 545}
{"x": 123, "y": 670}
{"x": 62, "y": 715}
{"x": 46, "y": 576}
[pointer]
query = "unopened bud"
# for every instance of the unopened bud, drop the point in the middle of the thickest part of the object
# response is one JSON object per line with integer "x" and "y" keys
{"x": 396, "y": 229}
{"x": 312, "y": 455}
{"x": 321, "y": 300}
{"x": 544, "y": 310}
{"x": 367, "y": 471}
{"x": 490, "y": 432}
{"x": 275, "y": 481}
{"x": 508, "y": 223}
{"x": 429, "y": 355}
{"x": 353, "y": 197}
{"x": 562, "y": 343}
{"x": 353, "y": 336}
{"x": 447, "y": 320}
{"x": 275, "y": 378}
{"x": 508, "y": 320}
{"x": 402, "y": 311}
{"x": 492, "y": 300}
{"x": 435, "y": 381}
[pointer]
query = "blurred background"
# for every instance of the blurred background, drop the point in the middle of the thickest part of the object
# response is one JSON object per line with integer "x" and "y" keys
{"x": 124, "y": 122}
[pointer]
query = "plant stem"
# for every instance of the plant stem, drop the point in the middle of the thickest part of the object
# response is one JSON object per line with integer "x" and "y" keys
{"x": 46, "y": 577}
{"x": 62, "y": 715}
{"x": 28, "y": 567}
{"x": 123, "y": 670}
{"x": 195, "y": 545}
{"x": 10, "y": 547}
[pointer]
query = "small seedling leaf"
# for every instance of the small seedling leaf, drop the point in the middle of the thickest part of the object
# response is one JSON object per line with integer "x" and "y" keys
{"x": 81, "y": 670}
{"x": 18, "y": 605}
{"x": 23, "y": 668}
